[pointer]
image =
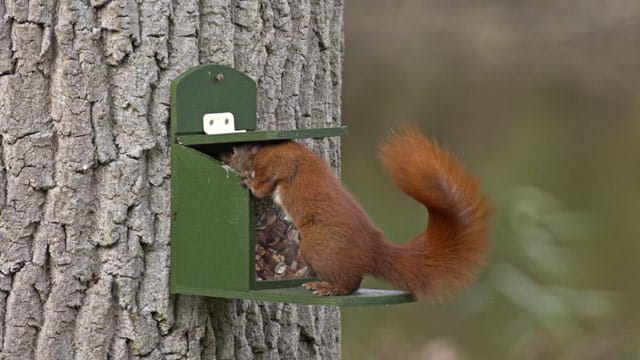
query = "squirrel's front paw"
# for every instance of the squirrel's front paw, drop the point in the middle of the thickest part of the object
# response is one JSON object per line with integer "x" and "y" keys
{"x": 246, "y": 178}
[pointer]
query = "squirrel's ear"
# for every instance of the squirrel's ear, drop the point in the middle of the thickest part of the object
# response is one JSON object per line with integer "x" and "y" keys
{"x": 254, "y": 148}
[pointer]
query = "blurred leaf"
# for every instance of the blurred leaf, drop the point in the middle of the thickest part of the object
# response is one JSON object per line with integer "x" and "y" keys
{"x": 534, "y": 300}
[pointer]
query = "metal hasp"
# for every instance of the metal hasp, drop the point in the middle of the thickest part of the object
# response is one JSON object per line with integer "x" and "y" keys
{"x": 213, "y": 219}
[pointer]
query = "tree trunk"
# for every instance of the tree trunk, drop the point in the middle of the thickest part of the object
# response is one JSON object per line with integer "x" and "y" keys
{"x": 84, "y": 171}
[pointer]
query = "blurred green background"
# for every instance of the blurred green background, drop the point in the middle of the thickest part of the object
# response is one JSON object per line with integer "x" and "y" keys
{"x": 541, "y": 100}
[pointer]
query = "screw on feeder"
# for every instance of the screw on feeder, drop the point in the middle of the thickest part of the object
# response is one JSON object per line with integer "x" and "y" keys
{"x": 219, "y": 77}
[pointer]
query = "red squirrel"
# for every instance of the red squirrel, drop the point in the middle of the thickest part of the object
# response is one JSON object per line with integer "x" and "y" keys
{"x": 339, "y": 241}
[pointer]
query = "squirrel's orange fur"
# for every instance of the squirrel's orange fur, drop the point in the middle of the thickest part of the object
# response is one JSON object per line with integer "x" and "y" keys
{"x": 341, "y": 244}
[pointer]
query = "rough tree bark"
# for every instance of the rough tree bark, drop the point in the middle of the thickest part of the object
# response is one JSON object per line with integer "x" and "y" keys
{"x": 84, "y": 152}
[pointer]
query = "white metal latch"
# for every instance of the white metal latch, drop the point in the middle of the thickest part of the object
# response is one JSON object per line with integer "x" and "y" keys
{"x": 219, "y": 123}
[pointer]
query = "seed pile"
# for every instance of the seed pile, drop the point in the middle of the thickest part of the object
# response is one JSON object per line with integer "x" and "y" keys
{"x": 277, "y": 242}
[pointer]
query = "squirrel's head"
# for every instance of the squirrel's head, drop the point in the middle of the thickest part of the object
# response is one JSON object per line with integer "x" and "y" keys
{"x": 242, "y": 157}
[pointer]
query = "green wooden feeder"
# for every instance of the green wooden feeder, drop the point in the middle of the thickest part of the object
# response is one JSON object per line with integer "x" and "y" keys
{"x": 213, "y": 217}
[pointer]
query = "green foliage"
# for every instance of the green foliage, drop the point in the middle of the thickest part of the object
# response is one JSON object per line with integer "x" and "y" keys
{"x": 541, "y": 101}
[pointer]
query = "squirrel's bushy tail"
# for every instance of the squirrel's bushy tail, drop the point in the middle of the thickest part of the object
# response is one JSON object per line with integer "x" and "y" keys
{"x": 448, "y": 255}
